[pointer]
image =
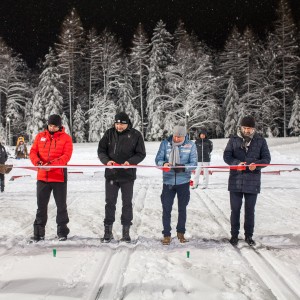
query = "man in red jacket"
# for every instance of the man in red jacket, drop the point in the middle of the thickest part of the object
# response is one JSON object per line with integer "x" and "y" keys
{"x": 52, "y": 147}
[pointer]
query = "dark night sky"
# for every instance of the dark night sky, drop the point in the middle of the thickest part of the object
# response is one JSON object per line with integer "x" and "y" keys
{"x": 31, "y": 26}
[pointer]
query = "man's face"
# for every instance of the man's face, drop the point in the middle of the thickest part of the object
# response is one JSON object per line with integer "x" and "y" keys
{"x": 246, "y": 131}
{"x": 120, "y": 127}
{"x": 202, "y": 136}
{"x": 53, "y": 128}
{"x": 178, "y": 139}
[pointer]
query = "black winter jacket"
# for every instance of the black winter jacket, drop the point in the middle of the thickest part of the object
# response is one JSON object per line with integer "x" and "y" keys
{"x": 120, "y": 147}
{"x": 3, "y": 155}
{"x": 258, "y": 152}
{"x": 204, "y": 149}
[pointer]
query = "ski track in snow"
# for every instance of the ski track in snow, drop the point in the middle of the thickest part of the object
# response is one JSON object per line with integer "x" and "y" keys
{"x": 278, "y": 279}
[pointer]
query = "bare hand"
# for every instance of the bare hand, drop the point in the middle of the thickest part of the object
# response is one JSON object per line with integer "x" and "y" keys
{"x": 252, "y": 167}
{"x": 110, "y": 163}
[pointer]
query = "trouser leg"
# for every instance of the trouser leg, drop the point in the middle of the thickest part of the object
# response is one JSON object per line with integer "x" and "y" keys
{"x": 236, "y": 200}
{"x": 127, "y": 194}
{"x": 197, "y": 175}
{"x": 167, "y": 200}
{"x": 2, "y": 182}
{"x": 43, "y": 195}
{"x": 111, "y": 196}
{"x": 60, "y": 197}
{"x": 183, "y": 195}
{"x": 205, "y": 174}
{"x": 250, "y": 201}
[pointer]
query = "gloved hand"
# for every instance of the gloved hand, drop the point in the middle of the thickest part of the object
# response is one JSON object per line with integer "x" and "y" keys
{"x": 179, "y": 170}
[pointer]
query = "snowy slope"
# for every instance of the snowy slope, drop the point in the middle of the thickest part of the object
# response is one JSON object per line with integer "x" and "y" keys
{"x": 85, "y": 269}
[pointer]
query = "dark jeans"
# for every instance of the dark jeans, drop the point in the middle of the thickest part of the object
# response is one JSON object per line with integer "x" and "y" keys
{"x": 236, "y": 200}
{"x": 44, "y": 190}
{"x": 167, "y": 200}
{"x": 2, "y": 181}
{"x": 111, "y": 196}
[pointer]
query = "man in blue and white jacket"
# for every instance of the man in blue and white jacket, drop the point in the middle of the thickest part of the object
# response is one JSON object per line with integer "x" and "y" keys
{"x": 176, "y": 154}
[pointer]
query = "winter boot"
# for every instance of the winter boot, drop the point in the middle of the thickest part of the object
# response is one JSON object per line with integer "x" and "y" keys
{"x": 166, "y": 240}
{"x": 249, "y": 241}
{"x": 125, "y": 236}
{"x": 38, "y": 233}
{"x": 181, "y": 237}
{"x": 62, "y": 232}
{"x": 234, "y": 240}
{"x": 108, "y": 236}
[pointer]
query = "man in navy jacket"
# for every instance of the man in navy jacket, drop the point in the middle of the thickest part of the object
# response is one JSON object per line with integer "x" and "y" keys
{"x": 245, "y": 148}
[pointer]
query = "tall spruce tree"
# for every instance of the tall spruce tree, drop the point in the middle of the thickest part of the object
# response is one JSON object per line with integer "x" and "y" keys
{"x": 139, "y": 67}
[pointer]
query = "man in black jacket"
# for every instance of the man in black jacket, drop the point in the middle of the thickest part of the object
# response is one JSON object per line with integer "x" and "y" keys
{"x": 120, "y": 145}
{"x": 204, "y": 149}
{"x": 3, "y": 159}
{"x": 245, "y": 148}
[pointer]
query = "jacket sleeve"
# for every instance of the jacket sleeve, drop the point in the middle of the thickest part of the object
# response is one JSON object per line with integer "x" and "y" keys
{"x": 33, "y": 155}
{"x": 160, "y": 158}
{"x": 265, "y": 156}
{"x": 103, "y": 149}
{"x": 140, "y": 151}
{"x": 67, "y": 153}
{"x": 211, "y": 146}
{"x": 193, "y": 159}
{"x": 228, "y": 154}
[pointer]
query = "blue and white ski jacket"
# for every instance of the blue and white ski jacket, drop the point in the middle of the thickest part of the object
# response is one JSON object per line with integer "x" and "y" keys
{"x": 188, "y": 157}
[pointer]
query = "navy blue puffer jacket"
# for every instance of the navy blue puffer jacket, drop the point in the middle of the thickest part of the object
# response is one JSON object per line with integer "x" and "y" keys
{"x": 258, "y": 152}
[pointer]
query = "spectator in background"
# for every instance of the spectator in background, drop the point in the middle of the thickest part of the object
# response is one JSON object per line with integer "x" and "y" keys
{"x": 204, "y": 149}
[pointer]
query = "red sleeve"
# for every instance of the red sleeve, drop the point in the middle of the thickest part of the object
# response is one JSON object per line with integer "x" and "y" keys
{"x": 33, "y": 155}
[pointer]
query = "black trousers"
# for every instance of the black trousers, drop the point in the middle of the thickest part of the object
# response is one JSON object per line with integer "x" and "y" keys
{"x": 2, "y": 182}
{"x": 44, "y": 190}
{"x": 111, "y": 196}
{"x": 236, "y": 200}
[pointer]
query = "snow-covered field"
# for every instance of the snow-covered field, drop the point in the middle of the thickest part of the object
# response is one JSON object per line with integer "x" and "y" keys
{"x": 86, "y": 269}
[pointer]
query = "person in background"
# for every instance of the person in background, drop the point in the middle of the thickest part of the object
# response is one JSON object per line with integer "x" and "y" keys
{"x": 245, "y": 148}
{"x": 52, "y": 147}
{"x": 120, "y": 145}
{"x": 3, "y": 159}
{"x": 204, "y": 149}
{"x": 21, "y": 149}
{"x": 179, "y": 152}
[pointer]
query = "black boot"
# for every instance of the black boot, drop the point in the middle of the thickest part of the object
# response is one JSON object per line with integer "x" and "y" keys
{"x": 234, "y": 240}
{"x": 62, "y": 232}
{"x": 249, "y": 241}
{"x": 125, "y": 236}
{"x": 108, "y": 236}
{"x": 38, "y": 233}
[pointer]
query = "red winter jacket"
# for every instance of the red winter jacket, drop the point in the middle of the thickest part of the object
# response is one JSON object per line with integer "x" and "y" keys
{"x": 55, "y": 150}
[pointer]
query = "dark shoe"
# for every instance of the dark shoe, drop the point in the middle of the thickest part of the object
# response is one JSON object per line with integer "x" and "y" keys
{"x": 181, "y": 237}
{"x": 38, "y": 231}
{"x": 37, "y": 238}
{"x": 62, "y": 231}
{"x": 249, "y": 241}
{"x": 108, "y": 236}
{"x": 62, "y": 238}
{"x": 125, "y": 235}
{"x": 234, "y": 240}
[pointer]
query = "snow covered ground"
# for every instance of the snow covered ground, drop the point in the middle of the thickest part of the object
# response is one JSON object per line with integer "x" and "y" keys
{"x": 86, "y": 269}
